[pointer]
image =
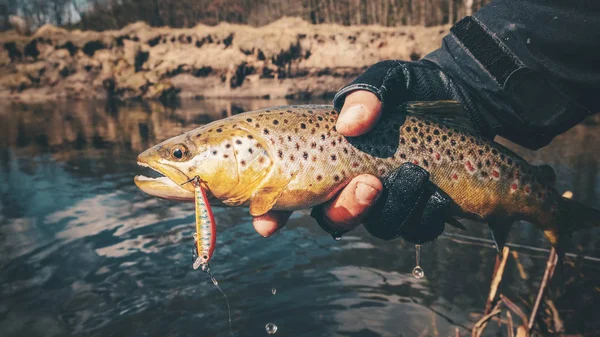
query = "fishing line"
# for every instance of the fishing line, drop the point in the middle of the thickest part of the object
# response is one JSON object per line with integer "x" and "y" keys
{"x": 516, "y": 245}
{"x": 214, "y": 281}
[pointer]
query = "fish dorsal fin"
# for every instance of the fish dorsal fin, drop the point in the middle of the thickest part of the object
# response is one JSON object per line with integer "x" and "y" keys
{"x": 448, "y": 113}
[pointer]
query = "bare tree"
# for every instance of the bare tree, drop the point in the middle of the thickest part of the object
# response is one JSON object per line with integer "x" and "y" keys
{"x": 113, "y": 14}
{"x": 468, "y": 7}
{"x": 19, "y": 25}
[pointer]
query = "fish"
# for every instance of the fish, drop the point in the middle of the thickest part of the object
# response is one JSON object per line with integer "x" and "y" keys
{"x": 291, "y": 157}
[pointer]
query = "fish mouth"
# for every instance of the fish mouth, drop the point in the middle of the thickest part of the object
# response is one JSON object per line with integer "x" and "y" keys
{"x": 168, "y": 186}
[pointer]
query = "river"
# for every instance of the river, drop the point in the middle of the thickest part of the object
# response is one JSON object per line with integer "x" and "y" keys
{"x": 83, "y": 252}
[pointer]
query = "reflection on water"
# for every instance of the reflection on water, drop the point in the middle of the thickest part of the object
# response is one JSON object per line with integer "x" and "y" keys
{"x": 84, "y": 252}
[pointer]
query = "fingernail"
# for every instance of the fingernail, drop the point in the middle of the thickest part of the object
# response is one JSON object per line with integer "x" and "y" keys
{"x": 351, "y": 115}
{"x": 366, "y": 194}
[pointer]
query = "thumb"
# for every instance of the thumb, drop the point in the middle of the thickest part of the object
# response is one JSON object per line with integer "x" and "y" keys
{"x": 359, "y": 114}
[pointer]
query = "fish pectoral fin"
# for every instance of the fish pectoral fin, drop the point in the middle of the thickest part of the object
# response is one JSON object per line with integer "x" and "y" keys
{"x": 500, "y": 231}
{"x": 449, "y": 113}
{"x": 265, "y": 198}
{"x": 455, "y": 223}
{"x": 267, "y": 195}
{"x": 558, "y": 240}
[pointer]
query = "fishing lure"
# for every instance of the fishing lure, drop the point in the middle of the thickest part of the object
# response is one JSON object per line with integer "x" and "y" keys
{"x": 205, "y": 237}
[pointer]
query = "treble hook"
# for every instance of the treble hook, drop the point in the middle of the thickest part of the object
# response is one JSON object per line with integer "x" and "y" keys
{"x": 198, "y": 261}
{"x": 195, "y": 179}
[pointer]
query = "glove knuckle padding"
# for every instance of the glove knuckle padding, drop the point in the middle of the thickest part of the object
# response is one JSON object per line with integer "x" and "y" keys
{"x": 393, "y": 88}
{"x": 431, "y": 224}
{"x": 394, "y": 82}
{"x": 403, "y": 190}
{"x": 409, "y": 207}
{"x": 373, "y": 80}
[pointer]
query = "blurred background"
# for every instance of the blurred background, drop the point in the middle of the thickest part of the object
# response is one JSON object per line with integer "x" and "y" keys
{"x": 208, "y": 48}
{"x": 87, "y": 85}
{"x": 115, "y": 14}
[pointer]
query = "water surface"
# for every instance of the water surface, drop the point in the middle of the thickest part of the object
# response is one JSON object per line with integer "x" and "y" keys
{"x": 83, "y": 252}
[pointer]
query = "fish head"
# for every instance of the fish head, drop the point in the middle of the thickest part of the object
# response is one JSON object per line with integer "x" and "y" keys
{"x": 230, "y": 161}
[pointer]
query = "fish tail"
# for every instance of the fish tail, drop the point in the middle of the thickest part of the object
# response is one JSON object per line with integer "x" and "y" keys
{"x": 576, "y": 216}
{"x": 572, "y": 216}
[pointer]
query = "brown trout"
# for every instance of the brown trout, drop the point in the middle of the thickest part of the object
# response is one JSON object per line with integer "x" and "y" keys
{"x": 291, "y": 157}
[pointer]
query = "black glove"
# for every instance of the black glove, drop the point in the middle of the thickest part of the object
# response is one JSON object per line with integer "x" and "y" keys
{"x": 410, "y": 207}
{"x": 395, "y": 82}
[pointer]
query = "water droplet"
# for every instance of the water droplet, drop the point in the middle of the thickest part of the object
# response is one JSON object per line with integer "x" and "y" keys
{"x": 337, "y": 237}
{"x": 273, "y": 291}
{"x": 418, "y": 272}
{"x": 528, "y": 41}
{"x": 418, "y": 254}
{"x": 271, "y": 328}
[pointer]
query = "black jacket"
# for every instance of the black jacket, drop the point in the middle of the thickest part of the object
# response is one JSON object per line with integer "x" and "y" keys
{"x": 531, "y": 66}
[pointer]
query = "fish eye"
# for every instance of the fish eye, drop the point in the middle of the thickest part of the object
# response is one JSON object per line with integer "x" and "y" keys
{"x": 178, "y": 152}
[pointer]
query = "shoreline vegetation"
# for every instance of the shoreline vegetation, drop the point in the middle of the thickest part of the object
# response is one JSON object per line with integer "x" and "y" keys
{"x": 288, "y": 58}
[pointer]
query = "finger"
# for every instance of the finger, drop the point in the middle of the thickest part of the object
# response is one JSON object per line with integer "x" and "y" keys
{"x": 359, "y": 114}
{"x": 270, "y": 222}
{"x": 346, "y": 211}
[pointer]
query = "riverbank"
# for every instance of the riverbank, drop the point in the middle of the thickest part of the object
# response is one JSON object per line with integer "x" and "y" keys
{"x": 288, "y": 58}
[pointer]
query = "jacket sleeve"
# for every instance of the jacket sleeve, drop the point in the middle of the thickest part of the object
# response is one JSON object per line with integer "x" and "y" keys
{"x": 532, "y": 67}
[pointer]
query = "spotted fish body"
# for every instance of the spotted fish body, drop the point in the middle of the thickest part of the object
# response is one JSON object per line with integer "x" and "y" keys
{"x": 289, "y": 158}
{"x": 306, "y": 152}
